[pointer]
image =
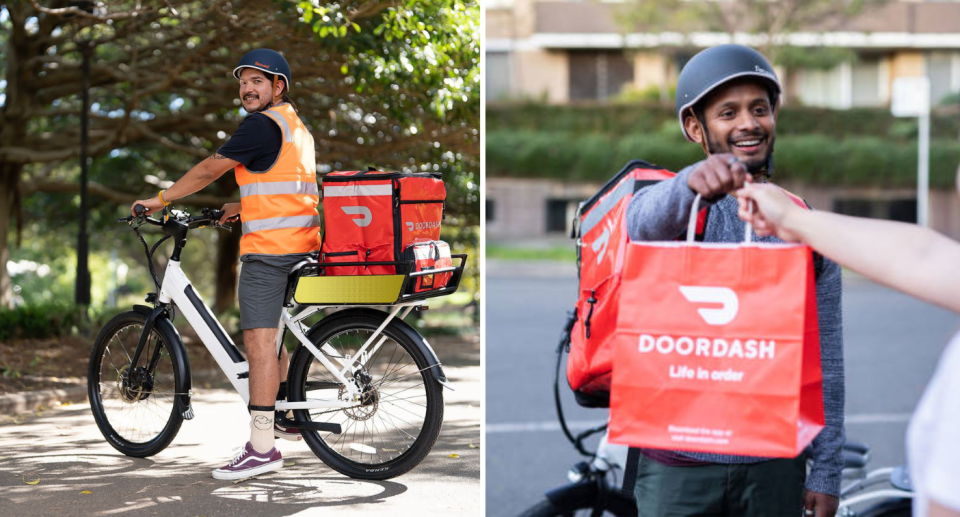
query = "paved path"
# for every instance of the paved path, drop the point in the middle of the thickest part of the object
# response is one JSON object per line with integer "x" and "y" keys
{"x": 63, "y": 448}
{"x": 892, "y": 343}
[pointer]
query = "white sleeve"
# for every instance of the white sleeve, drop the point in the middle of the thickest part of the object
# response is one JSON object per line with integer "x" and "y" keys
{"x": 943, "y": 466}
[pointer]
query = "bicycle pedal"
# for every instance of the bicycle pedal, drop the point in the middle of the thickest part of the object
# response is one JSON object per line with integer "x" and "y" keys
{"x": 188, "y": 414}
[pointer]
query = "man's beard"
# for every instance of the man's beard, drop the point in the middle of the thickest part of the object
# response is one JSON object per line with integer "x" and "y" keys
{"x": 759, "y": 164}
{"x": 258, "y": 109}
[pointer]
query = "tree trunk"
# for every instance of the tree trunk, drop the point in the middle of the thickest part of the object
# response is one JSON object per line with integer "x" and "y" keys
{"x": 9, "y": 176}
{"x": 228, "y": 251}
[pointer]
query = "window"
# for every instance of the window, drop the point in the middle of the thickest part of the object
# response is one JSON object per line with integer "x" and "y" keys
{"x": 866, "y": 83}
{"x": 491, "y": 214}
{"x": 497, "y": 75}
{"x": 598, "y": 74}
{"x": 942, "y": 69}
{"x": 560, "y": 214}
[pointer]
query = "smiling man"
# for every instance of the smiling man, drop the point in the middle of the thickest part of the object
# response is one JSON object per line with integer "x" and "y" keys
{"x": 727, "y": 102}
{"x": 272, "y": 154}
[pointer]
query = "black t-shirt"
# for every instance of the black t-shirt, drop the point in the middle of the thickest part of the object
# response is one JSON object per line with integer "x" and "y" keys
{"x": 256, "y": 143}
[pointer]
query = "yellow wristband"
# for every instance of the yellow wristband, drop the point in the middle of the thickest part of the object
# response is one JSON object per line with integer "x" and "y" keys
{"x": 160, "y": 195}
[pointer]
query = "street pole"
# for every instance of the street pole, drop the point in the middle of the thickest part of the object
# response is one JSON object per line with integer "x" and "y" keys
{"x": 923, "y": 171}
{"x": 82, "y": 297}
{"x": 82, "y": 286}
{"x": 911, "y": 98}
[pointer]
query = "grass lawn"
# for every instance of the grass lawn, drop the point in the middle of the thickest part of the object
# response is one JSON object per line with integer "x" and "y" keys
{"x": 555, "y": 254}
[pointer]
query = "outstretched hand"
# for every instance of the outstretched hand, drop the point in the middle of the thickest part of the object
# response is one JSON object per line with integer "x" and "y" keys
{"x": 768, "y": 209}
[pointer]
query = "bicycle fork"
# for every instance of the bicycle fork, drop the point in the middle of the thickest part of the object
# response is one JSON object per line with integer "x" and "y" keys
{"x": 158, "y": 318}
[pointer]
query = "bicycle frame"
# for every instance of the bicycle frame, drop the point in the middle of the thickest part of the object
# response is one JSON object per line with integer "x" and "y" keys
{"x": 176, "y": 288}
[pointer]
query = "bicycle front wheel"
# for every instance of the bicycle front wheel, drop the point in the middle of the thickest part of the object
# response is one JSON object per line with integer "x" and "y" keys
{"x": 396, "y": 422}
{"x": 135, "y": 405}
{"x": 585, "y": 499}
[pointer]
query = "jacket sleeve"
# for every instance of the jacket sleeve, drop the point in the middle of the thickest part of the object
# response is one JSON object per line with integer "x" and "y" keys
{"x": 660, "y": 212}
{"x": 825, "y": 473}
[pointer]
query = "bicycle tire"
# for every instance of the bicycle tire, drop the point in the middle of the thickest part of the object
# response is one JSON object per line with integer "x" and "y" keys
{"x": 405, "y": 400}
{"x": 896, "y": 507}
{"x": 583, "y": 499}
{"x": 137, "y": 418}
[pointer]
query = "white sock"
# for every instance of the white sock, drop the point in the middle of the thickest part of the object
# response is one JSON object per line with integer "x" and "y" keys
{"x": 261, "y": 428}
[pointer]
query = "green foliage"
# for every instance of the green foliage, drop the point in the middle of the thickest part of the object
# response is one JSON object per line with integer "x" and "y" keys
{"x": 619, "y": 119}
{"x": 816, "y": 159}
{"x": 816, "y": 58}
{"x": 555, "y": 254}
{"x": 389, "y": 84}
{"x": 37, "y": 320}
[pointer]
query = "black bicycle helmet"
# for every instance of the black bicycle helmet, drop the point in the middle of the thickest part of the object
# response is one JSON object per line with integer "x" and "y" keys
{"x": 715, "y": 66}
{"x": 269, "y": 61}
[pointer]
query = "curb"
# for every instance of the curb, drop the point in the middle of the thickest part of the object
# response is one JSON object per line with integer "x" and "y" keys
{"x": 13, "y": 403}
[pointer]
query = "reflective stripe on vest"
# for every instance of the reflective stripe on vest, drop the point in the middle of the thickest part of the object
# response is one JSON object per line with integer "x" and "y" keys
{"x": 276, "y": 223}
{"x": 279, "y": 187}
{"x": 279, "y": 205}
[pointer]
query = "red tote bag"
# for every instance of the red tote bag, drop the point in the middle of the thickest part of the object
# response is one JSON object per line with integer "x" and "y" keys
{"x": 717, "y": 349}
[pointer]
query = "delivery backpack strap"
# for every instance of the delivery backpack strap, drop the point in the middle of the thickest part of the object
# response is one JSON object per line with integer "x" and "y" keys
{"x": 564, "y": 346}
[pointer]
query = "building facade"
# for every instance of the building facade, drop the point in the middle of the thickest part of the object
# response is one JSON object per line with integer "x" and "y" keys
{"x": 563, "y": 51}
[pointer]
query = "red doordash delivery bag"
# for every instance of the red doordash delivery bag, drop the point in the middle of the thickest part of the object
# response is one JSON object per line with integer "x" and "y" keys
{"x": 717, "y": 349}
{"x": 427, "y": 256}
{"x": 372, "y": 216}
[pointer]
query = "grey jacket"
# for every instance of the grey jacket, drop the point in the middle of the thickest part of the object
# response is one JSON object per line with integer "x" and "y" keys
{"x": 660, "y": 212}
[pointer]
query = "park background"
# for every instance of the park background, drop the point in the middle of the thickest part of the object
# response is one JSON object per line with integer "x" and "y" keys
{"x": 393, "y": 85}
{"x": 574, "y": 90}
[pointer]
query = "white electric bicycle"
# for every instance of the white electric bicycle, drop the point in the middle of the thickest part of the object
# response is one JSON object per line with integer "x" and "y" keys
{"x": 364, "y": 386}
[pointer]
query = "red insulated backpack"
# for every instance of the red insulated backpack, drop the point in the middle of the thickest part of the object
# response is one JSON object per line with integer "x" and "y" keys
{"x": 373, "y": 216}
{"x": 601, "y": 236}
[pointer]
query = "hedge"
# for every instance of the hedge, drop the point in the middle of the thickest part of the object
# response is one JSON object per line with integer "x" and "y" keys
{"x": 814, "y": 159}
{"x": 634, "y": 118}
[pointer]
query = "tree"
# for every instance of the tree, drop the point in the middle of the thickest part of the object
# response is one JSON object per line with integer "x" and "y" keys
{"x": 162, "y": 89}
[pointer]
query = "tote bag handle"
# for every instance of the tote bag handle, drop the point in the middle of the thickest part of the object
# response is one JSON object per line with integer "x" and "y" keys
{"x": 692, "y": 224}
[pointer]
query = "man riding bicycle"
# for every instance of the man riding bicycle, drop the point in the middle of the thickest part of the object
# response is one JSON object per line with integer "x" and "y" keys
{"x": 727, "y": 102}
{"x": 272, "y": 154}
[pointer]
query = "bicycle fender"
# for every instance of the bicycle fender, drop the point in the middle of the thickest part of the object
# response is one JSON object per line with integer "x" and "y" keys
{"x": 178, "y": 353}
{"x": 434, "y": 363}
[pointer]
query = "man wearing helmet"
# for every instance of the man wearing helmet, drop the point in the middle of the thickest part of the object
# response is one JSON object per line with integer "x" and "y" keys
{"x": 727, "y": 102}
{"x": 272, "y": 153}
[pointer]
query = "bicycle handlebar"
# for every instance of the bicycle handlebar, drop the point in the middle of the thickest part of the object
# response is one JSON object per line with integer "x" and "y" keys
{"x": 209, "y": 217}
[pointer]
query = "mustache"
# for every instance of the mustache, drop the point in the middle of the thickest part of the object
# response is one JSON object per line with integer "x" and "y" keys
{"x": 252, "y": 96}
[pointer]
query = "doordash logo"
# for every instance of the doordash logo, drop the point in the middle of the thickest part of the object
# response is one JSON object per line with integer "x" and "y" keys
{"x": 726, "y": 297}
{"x": 366, "y": 216}
{"x": 423, "y": 225}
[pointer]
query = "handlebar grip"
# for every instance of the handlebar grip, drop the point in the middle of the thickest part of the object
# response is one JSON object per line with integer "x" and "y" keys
{"x": 139, "y": 209}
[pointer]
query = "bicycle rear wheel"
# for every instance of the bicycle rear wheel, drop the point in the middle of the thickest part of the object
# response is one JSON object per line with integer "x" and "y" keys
{"x": 397, "y": 421}
{"x": 135, "y": 406}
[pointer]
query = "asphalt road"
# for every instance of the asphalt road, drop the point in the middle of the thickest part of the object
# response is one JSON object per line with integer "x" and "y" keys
{"x": 63, "y": 449}
{"x": 892, "y": 343}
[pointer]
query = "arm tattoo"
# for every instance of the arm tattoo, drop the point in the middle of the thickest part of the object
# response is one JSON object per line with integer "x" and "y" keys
{"x": 218, "y": 156}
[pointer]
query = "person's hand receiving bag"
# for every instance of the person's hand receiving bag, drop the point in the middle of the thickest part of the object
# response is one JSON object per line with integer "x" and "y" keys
{"x": 770, "y": 211}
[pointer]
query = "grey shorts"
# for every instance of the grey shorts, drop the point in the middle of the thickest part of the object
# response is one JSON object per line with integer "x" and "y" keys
{"x": 263, "y": 282}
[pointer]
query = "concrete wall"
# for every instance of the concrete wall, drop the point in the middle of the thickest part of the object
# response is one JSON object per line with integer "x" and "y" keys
{"x": 520, "y": 205}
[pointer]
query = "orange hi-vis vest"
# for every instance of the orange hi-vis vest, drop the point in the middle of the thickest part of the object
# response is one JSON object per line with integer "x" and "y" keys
{"x": 279, "y": 205}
